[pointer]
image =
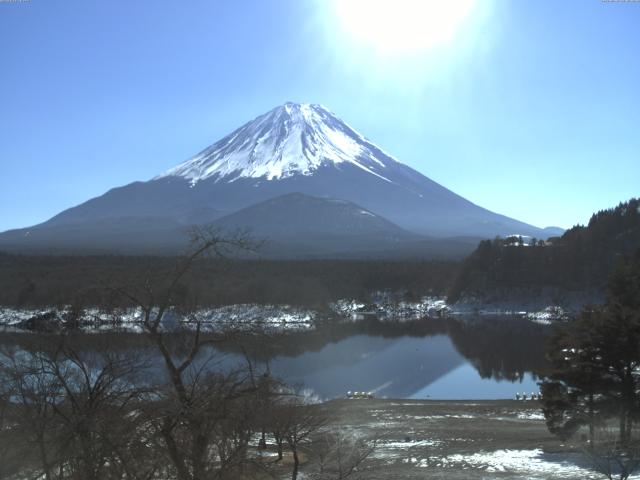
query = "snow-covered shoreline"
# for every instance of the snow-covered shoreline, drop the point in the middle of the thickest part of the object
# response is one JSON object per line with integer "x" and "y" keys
{"x": 264, "y": 318}
{"x": 245, "y": 317}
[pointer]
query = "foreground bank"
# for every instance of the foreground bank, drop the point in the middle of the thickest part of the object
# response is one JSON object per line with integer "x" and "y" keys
{"x": 489, "y": 439}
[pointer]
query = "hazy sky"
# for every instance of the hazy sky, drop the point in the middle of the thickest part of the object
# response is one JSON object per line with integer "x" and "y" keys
{"x": 530, "y": 108}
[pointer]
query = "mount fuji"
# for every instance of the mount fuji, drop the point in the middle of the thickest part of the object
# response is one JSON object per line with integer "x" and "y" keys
{"x": 300, "y": 149}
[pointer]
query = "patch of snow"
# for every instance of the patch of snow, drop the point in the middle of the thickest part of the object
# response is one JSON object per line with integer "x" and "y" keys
{"x": 386, "y": 309}
{"x": 548, "y": 314}
{"x": 386, "y": 449}
{"x": 243, "y": 317}
{"x": 525, "y": 463}
{"x": 531, "y": 415}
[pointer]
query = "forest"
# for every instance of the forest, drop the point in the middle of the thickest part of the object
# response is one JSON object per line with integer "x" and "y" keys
{"x": 579, "y": 260}
{"x": 42, "y": 281}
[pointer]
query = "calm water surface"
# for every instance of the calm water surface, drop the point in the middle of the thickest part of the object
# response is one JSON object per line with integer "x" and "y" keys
{"x": 480, "y": 358}
{"x": 455, "y": 358}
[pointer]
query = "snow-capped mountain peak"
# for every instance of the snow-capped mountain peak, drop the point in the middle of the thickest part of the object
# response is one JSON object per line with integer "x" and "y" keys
{"x": 294, "y": 149}
{"x": 292, "y": 139}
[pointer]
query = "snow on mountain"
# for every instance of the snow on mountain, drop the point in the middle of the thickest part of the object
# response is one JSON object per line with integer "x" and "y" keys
{"x": 288, "y": 140}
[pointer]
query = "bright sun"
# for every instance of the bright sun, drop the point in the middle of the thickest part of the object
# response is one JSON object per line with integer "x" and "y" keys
{"x": 395, "y": 26}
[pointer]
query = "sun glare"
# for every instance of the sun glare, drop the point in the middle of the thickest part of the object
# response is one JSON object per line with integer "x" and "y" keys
{"x": 395, "y": 26}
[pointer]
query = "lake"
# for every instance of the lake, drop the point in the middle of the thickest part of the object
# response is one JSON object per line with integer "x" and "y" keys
{"x": 460, "y": 358}
{"x": 436, "y": 358}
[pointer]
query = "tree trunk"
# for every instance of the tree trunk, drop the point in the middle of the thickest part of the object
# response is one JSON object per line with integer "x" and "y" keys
{"x": 623, "y": 426}
{"x": 174, "y": 453}
{"x": 280, "y": 455}
{"x": 591, "y": 422}
{"x": 296, "y": 463}
{"x": 44, "y": 459}
{"x": 628, "y": 398}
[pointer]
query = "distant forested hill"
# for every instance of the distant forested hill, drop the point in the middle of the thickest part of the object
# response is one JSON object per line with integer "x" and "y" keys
{"x": 28, "y": 281}
{"x": 578, "y": 261}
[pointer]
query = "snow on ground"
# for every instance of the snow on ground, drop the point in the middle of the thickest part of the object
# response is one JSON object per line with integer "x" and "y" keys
{"x": 527, "y": 463}
{"x": 547, "y": 315}
{"x": 13, "y": 316}
{"x": 530, "y": 415}
{"x": 263, "y": 317}
{"x": 271, "y": 318}
{"x": 387, "y": 309}
{"x": 245, "y": 317}
{"x": 392, "y": 449}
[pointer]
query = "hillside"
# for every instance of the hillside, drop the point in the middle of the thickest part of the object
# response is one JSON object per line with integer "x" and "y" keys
{"x": 561, "y": 270}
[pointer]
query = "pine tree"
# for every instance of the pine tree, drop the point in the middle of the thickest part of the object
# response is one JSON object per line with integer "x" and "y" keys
{"x": 595, "y": 373}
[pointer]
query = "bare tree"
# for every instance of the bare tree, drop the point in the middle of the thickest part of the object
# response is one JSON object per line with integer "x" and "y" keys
{"x": 201, "y": 427}
{"x": 5, "y": 399}
{"x": 303, "y": 421}
{"x": 278, "y": 426}
{"x": 340, "y": 455}
{"x": 71, "y": 406}
{"x": 610, "y": 456}
{"x": 32, "y": 419}
{"x": 101, "y": 391}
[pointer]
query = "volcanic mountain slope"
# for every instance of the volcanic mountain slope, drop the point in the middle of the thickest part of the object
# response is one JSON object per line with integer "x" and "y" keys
{"x": 298, "y": 225}
{"x": 292, "y": 148}
{"x": 296, "y": 215}
{"x": 302, "y": 225}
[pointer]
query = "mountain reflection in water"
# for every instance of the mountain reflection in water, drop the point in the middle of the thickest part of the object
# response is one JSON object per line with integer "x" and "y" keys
{"x": 459, "y": 358}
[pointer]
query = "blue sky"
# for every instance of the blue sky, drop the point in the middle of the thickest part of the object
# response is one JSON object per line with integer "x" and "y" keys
{"x": 532, "y": 109}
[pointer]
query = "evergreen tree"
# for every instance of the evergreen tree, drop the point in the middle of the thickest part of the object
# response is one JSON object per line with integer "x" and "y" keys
{"x": 595, "y": 360}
